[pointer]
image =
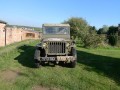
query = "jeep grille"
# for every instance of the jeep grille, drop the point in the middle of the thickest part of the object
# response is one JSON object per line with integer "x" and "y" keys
{"x": 56, "y": 48}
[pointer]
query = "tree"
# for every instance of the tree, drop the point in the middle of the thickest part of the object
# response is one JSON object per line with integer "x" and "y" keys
{"x": 92, "y": 29}
{"x": 113, "y": 35}
{"x": 77, "y": 25}
{"x": 103, "y": 30}
{"x": 85, "y": 33}
{"x": 112, "y": 30}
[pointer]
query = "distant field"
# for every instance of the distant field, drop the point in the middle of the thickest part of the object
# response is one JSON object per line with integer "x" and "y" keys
{"x": 97, "y": 69}
{"x": 29, "y": 27}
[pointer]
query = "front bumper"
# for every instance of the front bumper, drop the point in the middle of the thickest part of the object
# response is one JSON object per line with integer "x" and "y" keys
{"x": 58, "y": 58}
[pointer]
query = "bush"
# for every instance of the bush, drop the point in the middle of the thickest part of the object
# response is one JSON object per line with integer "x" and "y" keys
{"x": 113, "y": 40}
{"x": 92, "y": 40}
{"x": 118, "y": 41}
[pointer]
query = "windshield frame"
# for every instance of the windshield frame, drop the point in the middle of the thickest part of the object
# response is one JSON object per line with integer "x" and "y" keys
{"x": 68, "y": 30}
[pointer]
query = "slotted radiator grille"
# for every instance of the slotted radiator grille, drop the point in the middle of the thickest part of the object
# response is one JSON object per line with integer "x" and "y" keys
{"x": 56, "y": 47}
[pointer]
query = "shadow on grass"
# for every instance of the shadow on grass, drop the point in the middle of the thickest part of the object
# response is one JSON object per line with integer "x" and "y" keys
{"x": 51, "y": 64}
{"x": 108, "y": 66}
{"x": 26, "y": 57}
{"x": 101, "y": 64}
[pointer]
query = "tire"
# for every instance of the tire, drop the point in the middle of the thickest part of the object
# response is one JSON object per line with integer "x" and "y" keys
{"x": 74, "y": 62}
{"x": 37, "y": 64}
{"x": 37, "y": 58}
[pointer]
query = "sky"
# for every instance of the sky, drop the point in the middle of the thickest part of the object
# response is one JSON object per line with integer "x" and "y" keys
{"x": 36, "y": 12}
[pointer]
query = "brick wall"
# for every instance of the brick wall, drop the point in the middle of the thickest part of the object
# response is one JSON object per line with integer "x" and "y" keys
{"x": 10, "y": 35}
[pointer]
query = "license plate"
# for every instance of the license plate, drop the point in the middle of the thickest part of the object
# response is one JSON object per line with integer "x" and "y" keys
{"x": 47, "y": 58}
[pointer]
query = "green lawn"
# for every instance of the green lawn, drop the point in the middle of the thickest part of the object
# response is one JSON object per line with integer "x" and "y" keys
{"x": 97, "y": 69}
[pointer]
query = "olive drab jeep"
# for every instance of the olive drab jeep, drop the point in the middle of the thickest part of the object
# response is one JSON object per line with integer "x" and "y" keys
{"x": 56, "y": 46}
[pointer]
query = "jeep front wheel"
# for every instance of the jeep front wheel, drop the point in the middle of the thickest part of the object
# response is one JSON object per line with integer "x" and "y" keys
{"x": 73, "y": 64}
{"x": 74, "y": 54}
{"x": 36, "y": 58}
{"x": 37, "y": 63}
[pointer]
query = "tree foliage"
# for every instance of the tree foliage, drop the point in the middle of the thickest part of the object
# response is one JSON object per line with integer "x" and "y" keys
{"x": 112, "y": 30}
{"x": 103, "y": 30}
{"x": 85, "y": 33}
{"x": 77, "y": 25}
{"x": 113, "y": 35}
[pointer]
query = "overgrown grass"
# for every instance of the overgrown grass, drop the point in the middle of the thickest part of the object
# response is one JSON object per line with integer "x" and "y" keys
{"x": 97, "y": 69}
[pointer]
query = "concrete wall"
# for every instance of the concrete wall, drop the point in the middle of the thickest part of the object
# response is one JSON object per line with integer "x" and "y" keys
{"x": 10, "y": 35}
{"x": 2, "y": 34}
{"x": 2, "y": 25}
{"x": 13, "y": 35}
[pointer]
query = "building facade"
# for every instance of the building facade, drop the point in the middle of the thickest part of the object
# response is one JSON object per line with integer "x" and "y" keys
{"x": 10, "y": 35}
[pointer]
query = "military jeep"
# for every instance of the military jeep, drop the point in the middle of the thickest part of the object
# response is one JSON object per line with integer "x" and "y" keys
{"x": 56, "y": 46}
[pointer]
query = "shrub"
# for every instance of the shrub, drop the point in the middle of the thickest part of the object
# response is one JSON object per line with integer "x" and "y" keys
{"x": 113, "y": 39}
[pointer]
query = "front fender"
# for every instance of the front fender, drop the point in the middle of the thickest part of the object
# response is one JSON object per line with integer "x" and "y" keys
{"x": 39, "y": 45}
{"x": 73, "y": 46}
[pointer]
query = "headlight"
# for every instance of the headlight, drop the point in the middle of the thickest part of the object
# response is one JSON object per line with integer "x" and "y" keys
{"x": 44, "y": 45}
{"x": 68, "y": 44}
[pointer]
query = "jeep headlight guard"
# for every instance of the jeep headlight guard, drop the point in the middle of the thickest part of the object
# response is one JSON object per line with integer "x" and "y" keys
{"x": 67, "y": 44}
{"x": 44, "y": 45}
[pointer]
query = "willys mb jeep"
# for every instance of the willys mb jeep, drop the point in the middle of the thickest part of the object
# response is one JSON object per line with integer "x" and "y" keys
{"x": 56, "y": 46}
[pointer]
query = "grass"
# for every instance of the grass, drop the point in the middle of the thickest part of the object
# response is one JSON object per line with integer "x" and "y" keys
{"x": 97, "y": 69}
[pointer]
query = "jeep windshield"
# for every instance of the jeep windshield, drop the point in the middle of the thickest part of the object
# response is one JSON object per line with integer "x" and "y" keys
{"x": 55, "y": 30}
